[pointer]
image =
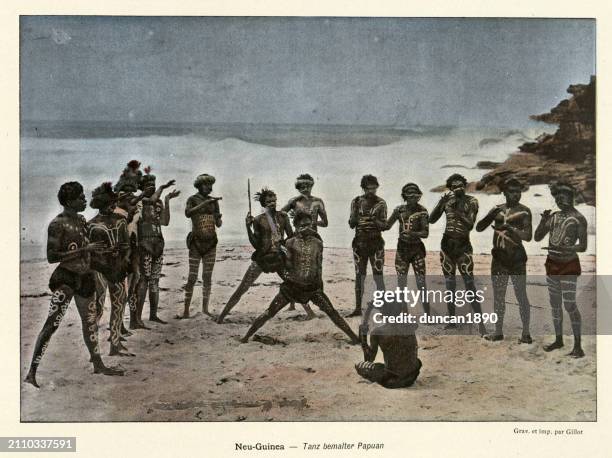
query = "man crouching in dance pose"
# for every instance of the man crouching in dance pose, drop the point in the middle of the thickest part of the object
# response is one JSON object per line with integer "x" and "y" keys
{"x": 303, "y": 280}
{"x": 399, "y": 346}
{"x": 456, "y": 248}
{"x": 308, "y": 203}
{"x": 202, "y": 240}
{"x": 368, "y": 218}
{"x": 69, "y": 246}
{"x": 512, "y": 225}
{"x": 413, "y": 227}
{"x": 111, "y": 264}
{"x": 266, "y": 234}
{"x": 565, "y": 227}
{"x": 155, "y": 214}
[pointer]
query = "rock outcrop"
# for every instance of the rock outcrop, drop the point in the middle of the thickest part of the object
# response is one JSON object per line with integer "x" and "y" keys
{"x": 568, "y": 154}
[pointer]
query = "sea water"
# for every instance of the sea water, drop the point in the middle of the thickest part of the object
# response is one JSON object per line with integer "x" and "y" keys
{"x": 273, "y": 156}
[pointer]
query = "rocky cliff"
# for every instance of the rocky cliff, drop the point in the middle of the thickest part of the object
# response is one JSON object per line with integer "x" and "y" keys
{"x": 567, "y": 154}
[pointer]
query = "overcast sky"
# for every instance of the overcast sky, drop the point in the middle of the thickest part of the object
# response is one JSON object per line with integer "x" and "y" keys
{"x": 301, "y": 70}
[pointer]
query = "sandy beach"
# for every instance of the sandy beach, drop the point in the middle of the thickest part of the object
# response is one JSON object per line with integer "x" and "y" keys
{"x": 196, "y": 370}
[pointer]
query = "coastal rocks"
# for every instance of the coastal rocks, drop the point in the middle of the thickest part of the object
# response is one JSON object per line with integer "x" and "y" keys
{"x": 534, "y": 169}
{"x": 568, "y": 154}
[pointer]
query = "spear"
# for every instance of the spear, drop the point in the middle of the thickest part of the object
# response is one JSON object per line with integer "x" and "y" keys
{"x": 249, "y": 193}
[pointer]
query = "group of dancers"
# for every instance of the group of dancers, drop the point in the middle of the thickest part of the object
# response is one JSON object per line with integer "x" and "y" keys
{"x": 120, "y": 250}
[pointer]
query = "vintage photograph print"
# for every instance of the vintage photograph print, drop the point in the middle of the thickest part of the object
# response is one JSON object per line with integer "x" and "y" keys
{"x": 307, "y": 219}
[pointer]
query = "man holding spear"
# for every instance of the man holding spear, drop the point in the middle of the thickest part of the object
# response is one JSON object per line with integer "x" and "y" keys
{"x": 267, "y": 233}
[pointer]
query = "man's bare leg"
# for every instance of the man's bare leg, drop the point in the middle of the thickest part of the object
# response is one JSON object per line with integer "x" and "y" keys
{"x": 141, "y": 295}
{"x": 101, "y": 285}
{"x": 57, "y": 309}
{"x": 361, "y": 266}
{"x": 374, "y": 372}
{"x": 208, "y": 264}
{"x": 466, "y": 268}
{"x": 87, "y": 310}
{"x": 118, "y": 298}
{"x": 154, "y": 302}
{"x": 556, "y": 302}
{"x": 309, "y": 313}
{"x": 194, "y": 266}
{"x": 449, "y": 268}
{"x": 568, "y": 293}
{"x": 133, "y": 284}
{"x": 499, "y": 277}
{"x": 86, "y": 307}
{"x": 276, "y": 306}
{"x": 321, "y": 300}
{"x": 124, "y": 331}
{"x": 475, "y": 305}
{"x": 156, "y": 268}
{"x": 250, "y": 276}
{"x": 519, "y": 282}
{"x": 377, "y": 262}
{"x": 419, "y": 268}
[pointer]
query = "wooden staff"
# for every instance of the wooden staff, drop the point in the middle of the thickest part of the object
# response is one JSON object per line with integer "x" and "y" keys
{"x": 249, "y": 193}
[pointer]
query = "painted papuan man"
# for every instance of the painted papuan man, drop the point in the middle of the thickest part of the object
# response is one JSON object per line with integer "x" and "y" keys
{"x": 307, "y": 203}
{"x": 511, "y": 226}
{"x": 399, "y": 347}
{"x": 112, "y": 263}
{"x": 129, "y": 207}
{"x": 303, "y": 280}
{"x": 68, "y": 244}
{"x": 368, "y": 217}
{"x": 413, "y": 221}
{"x": 205, "y": 215}
{"x": 456, "y": 249}
{"x": 567, "y": 236}
{"x": 267, "y": 234}
{"x": 154, "y": 215}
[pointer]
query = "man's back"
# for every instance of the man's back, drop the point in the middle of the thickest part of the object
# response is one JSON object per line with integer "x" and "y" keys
{"x": 305, "y": 258}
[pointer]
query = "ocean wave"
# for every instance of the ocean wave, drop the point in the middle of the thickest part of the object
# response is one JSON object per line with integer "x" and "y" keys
{"x": 511, "y": 136}
{"x": 273, "y": 135}
{"x": 233, "y": 154}
{"x": 316, "y": 140}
